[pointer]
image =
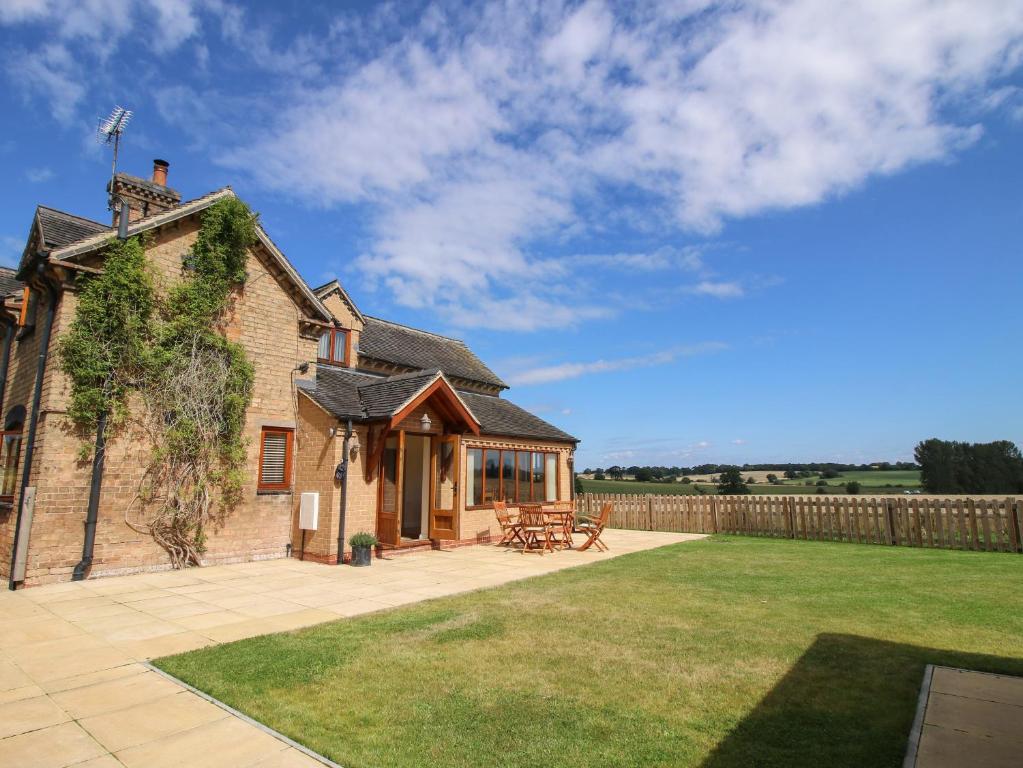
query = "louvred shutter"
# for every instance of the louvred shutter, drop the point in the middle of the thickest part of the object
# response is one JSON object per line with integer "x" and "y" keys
{"x": 275, "y": 453}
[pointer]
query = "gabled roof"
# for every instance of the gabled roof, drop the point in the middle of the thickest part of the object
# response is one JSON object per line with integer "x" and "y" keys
{"x": 334, "y": 286}
{"x": 400, "y": 345}
{"x": 98, "y": 240}
{"x": 8, "y": 282}
{"x": 349, "y": 394}
{"x": 58, "y": 228}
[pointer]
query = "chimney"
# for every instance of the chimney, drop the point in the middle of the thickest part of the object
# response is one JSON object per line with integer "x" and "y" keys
{"x": 143, "y": 196}
{"x": 160, "y": 172}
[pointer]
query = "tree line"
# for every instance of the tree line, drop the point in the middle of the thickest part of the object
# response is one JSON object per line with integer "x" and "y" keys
{"x": 790, "y": 470}
{"x": 950, "y": 466}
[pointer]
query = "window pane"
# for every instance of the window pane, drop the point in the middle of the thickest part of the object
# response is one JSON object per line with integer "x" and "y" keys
{"x": 523, "y": 476}
{"x": 275, "y": 451}
{"x": 389, "y": 476}
{"x": 340, "y": 346}
{"x": 538, "y": 485}
{"x": 508, "y": 476}
{"x": 492, "y": 472}
{"x": 323, "y": 351}
{"x": 474, "y": 476}
{"x": 11, "y": 453}
{"x": 552, "y": 477}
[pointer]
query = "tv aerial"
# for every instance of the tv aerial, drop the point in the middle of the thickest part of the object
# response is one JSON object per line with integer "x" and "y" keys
{"x": 109, "y": 132}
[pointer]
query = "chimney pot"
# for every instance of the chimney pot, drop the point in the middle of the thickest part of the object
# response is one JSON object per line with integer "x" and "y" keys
{"x": 160, "y": 172}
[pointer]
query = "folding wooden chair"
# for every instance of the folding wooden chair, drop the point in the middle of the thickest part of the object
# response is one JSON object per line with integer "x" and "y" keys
{"x": 594, "y": 527}
{"x": 534, "y": 527}
{"x": 509, "y": 525}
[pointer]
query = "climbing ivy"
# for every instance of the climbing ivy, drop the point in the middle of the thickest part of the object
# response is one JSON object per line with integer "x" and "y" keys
{"x": 194, "y": 385}
{"x": 106, "y": 352}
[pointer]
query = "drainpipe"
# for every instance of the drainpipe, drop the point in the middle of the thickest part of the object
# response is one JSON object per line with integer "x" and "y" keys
{"x": 342, "y": 469}
{"x": 92, "y": 512}
{"x": 37, "y": 392}
{"x": 98, "y": 456}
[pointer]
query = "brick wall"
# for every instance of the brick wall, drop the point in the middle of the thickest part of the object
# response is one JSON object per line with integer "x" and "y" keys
{"x": 265, "y": 320}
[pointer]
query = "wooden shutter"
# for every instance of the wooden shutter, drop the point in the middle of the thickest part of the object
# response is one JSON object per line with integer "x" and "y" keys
{"x": 275, "y": 459}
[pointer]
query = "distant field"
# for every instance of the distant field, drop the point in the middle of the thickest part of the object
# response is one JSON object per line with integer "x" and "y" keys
{"x": 870, "y": 483}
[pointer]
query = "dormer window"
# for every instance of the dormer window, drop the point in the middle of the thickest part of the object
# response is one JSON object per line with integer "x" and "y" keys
{"x": 333, "y": 347}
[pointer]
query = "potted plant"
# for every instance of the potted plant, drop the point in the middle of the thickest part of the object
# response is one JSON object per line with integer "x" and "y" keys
{"x": 362, "y": 544}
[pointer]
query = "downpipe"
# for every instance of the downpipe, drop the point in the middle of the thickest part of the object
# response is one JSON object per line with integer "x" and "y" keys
{"x": 342, "y": 474}
{"x": 95, "y": 488}
{"x": 37, "y": 392}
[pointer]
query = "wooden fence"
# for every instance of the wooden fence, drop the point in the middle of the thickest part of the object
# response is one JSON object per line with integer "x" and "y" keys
{"x": 991, "y": 525}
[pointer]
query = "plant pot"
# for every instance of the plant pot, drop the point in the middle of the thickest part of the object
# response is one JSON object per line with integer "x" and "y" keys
{"x": 362, "y": 556}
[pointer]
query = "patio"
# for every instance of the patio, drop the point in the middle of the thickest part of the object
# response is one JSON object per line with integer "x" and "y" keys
{"x": 73, "y": 690}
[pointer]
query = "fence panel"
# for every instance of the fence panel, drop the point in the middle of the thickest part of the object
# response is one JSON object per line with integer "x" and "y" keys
{"x": 990, "y": 525}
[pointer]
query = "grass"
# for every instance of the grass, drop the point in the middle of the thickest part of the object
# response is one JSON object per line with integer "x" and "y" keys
{"x": 872, "y": 483}
{"x": 717, "y": 653}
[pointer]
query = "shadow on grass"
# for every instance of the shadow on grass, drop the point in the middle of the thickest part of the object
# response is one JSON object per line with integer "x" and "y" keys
{"x": 848, "y": 701}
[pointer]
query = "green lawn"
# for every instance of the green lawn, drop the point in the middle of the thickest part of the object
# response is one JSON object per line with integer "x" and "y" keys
{"x": 722, "y": 652}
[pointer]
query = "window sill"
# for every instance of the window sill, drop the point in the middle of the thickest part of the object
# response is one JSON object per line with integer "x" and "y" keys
{"x": 273, "y": 491}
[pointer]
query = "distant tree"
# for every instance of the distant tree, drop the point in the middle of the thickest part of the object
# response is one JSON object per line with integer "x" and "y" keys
{"x": 750, "y": 480}
{"x": 852, "y": 487}
{"x": 772, "y": 479}
{"x": 730, "y": 482}
{"x": 643, "y": 474}
{"x": 686, "y": 480}
{"x": 616, "y": 472}
{"x": 821, "y": 489}
{"x": 598, "y": 475}
{"x": 822, "y": 483}
{"x": 578, "y": 486}
{"x": 953, "y": 467}
{"x": 830, "y": 473}
{"x": 587, "y": 471}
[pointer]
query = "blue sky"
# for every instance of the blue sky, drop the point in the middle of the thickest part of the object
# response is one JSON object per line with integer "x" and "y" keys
{"x": 684, "y": 231}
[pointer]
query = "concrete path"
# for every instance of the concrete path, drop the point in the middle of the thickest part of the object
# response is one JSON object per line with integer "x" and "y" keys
{"x": 74, "y": 693}
{"x": 968, "y": 720}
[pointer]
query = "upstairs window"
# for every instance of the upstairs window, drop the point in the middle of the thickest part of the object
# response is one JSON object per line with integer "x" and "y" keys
{"x": 333, "y": 347}
{"x": 10, "y": 453}
{"x": 275, "y": 450}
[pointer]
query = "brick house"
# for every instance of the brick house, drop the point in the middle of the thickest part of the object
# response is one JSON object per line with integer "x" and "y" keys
{"x": 397, "y": 431}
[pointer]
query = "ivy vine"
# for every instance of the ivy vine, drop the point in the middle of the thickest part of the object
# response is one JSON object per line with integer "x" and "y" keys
{"x": 193, "y": 384}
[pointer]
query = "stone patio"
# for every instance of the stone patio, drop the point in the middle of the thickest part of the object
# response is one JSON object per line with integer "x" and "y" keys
{"x": 74, "y": 690}
{"x": 967, "y": 718}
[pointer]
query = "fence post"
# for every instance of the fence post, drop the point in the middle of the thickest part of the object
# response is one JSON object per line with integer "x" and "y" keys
{"x": 649, "y": 511}
{"x": 714, "y": 513}
{"x": 1012, "y": 507}
{"x": 890, "y": 534}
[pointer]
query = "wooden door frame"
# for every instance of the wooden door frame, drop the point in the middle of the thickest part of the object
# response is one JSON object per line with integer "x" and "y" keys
{"x": 456, "y": 441}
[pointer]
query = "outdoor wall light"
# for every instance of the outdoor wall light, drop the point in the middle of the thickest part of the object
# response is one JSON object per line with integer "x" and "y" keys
{"x": 425, "y": 422}
{"x": 353, "y": 447}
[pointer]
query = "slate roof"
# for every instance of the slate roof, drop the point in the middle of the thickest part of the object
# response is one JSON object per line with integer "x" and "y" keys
{"x": 385, "y": 396}
{"x": 400, "y": 345}
{"x": 498, "y": 416}
{"x": 59, "y": 228}
{"x": 8, "y": 283}
{"x": 350, "y": 394}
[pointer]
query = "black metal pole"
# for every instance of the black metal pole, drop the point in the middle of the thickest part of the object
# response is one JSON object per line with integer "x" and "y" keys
{"x": 344, "y": 495}
{"x": 37, "y": 391}
{"x": 94, "y": 492}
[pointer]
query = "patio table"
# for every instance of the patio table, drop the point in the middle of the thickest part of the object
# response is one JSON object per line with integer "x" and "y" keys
{"x": 563, "y": 520}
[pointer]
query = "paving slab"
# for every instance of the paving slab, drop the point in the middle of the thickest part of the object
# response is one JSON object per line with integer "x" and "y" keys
{"x": 967, "y": 719}
{"x": 73, "y": 693}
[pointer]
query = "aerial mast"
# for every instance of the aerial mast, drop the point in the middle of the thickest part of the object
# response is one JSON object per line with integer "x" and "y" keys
{"x": 109, "y": 132}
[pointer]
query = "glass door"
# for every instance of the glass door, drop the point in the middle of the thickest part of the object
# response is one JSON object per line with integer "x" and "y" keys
{"x": 444, "y": 487}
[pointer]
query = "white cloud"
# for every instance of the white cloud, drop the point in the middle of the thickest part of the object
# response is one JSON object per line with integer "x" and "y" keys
{"x": 39, "y": 175}
{"x": 718, "y": 289}
{"x": 562, "y": 371}
{"x": 738, "y": 441}
{"x": 10, "y": 250}
{"x": 481, "y": 136}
